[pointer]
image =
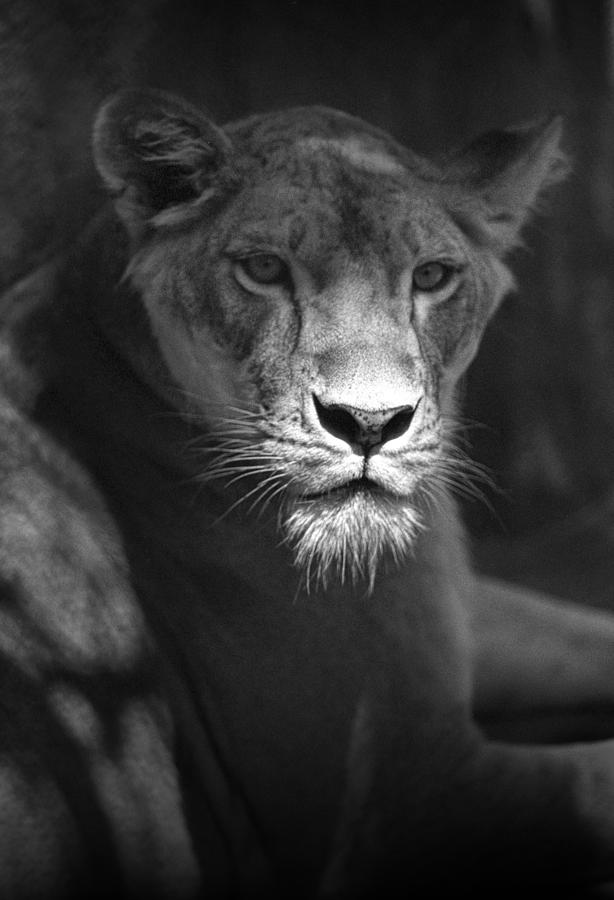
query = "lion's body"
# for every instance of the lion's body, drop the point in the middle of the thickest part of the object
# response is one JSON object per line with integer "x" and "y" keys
{"x": 266, "y": 636}
{"x": 256, "y": 663}
{"x": 86, "y": 775}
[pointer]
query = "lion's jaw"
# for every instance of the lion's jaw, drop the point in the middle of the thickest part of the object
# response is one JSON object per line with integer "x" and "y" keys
{"x": 347, "y": 533}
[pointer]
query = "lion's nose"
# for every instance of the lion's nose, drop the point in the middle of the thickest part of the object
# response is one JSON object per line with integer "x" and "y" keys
{"x": 364, "y": 428}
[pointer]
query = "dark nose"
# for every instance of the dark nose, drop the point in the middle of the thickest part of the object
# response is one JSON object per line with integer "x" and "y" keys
{"x": 361, "y": 427}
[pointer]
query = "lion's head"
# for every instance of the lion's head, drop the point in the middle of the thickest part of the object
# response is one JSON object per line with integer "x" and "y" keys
{"x": 316, "y": 291}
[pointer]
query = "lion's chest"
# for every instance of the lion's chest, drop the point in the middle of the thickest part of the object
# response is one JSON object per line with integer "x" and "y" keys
{"x": 271, "y": 688}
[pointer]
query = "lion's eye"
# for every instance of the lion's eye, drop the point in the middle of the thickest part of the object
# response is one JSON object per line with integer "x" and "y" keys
{"x": 431, "y": 276}
{"x": 265, "y": 268}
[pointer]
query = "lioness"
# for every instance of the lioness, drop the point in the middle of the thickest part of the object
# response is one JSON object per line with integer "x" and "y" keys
{"x": 257, "y": 671}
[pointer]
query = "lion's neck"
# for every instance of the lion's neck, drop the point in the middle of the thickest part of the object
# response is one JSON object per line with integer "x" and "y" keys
{"x": 139, "y": 449}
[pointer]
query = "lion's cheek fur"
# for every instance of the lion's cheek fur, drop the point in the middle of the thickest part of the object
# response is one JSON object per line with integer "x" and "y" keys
{"x": 206, "y": 374}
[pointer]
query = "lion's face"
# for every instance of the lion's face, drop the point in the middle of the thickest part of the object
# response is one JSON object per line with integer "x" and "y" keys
{"x": 316, "y": 311}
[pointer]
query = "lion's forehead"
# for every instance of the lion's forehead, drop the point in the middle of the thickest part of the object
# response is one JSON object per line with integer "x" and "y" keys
{"x": 315, "y": 161}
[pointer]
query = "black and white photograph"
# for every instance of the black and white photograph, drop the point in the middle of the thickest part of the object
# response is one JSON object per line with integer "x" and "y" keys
{"x": 306, "y": 449}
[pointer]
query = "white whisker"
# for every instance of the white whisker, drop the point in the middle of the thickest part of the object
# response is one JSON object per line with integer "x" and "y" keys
{"x": 238, "y": 502}
{"x": 270, "y": 486}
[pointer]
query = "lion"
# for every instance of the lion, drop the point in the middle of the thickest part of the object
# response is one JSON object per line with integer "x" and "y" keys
{"x": 239, "y": 599}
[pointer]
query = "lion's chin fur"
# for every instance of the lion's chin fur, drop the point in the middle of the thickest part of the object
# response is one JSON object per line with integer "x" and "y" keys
{"x": 345, "y": 536}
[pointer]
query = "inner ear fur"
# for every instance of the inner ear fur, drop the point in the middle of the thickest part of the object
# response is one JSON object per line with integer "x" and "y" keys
{"x": 503, "y": 173}
{"x": 156, "y": 153}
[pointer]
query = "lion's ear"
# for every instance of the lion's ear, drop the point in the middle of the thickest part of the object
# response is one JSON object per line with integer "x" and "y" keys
{"x": 158, "y": 155}
{"x": 506, "y": 171}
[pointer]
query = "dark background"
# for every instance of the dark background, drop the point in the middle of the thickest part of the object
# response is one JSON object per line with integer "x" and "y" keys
{"x": 434, "y": 74}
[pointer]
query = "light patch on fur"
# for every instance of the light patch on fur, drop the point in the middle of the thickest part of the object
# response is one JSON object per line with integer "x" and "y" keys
{"x": 504, "y": 283}
{"x": 182, "y": 212}
{"x": 78, "y": 716}
{"x": 200, "y": 367}
{"x": 346, "y": 536}
{"x": 357, "y": 153}
{"x": 354, "y": 809}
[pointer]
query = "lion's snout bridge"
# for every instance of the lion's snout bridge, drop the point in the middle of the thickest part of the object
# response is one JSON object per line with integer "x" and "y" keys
{"x": 364, "y": 429}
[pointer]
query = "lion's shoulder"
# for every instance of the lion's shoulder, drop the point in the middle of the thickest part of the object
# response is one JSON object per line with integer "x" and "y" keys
{"x": 87, "y": 777}
{"x": 61, "y": 558}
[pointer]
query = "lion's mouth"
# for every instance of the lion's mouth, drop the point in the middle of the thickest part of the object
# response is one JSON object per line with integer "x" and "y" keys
{"x": 362, "y": 485}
